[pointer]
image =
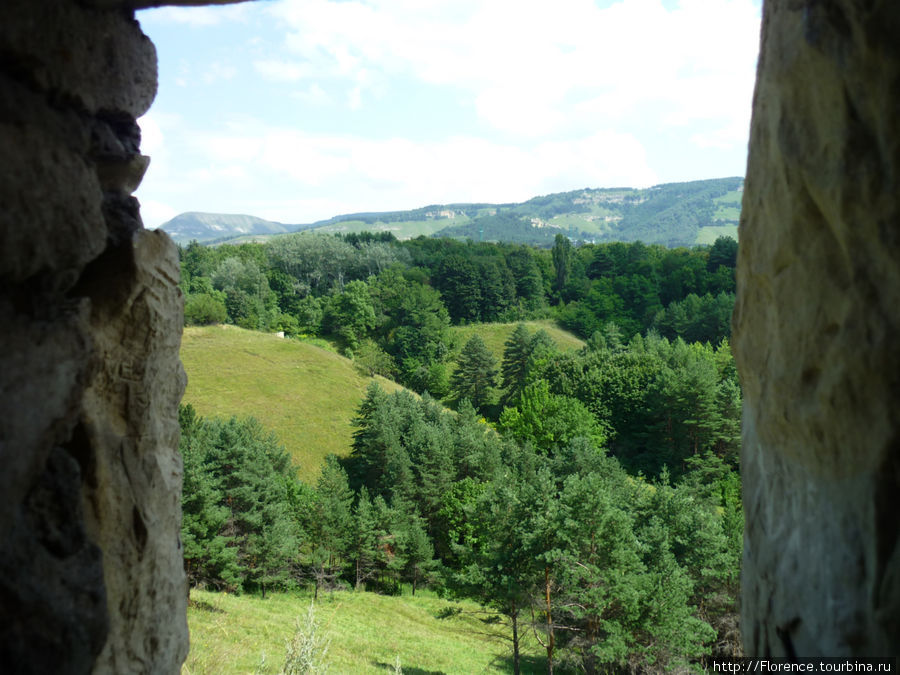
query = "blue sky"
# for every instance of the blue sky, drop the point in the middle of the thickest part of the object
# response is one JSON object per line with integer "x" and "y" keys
{"x": 299, "y": 110}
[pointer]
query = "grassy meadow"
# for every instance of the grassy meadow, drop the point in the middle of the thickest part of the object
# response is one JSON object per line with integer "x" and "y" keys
{"x": 709, "y": 234}
{"x": 496, "y": 334}
{"x": 404, "y": 229}
{"x": 305, "y": 394}
{"x": 367, "y": 632}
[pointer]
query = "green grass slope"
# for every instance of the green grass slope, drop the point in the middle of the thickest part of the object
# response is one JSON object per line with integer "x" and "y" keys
{"x": 230, "y": 634}
{"x": 496, "y": 334}
{"x": 305, "y": 394}
{"x": 708, "y": 235}
{"x": 402, "y": 229}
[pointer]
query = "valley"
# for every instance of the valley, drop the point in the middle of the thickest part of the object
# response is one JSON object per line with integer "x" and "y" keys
{"x": 396, "y": 426}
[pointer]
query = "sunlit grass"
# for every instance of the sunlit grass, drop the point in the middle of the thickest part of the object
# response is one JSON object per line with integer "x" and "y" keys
{"x": 709, "y": 234}
{"x": 230, "y": 634}
{"x": 405, "y": 229}
{"x": 305, "y": 394}
{"x": 496, "y": 334}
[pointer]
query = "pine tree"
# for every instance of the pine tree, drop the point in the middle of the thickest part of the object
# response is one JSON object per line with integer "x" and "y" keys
{"x": 562, "y": 260}
{"x": 476, "y": 374}
{"x": 365, "y": 545}
{"x": 209, "y": 555}
{"x": 493, "y": 564}
{"x": 335, "y": 521}
{"x": 516, "y": 352}
{"x": 238, "y": 524}
{"x": 418, "y": 551}
{"x": 365, "y": 465}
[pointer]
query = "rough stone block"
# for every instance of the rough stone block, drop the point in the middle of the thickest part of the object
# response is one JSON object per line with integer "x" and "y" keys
{"x": 100, "y": 59}
{"x": 815, "y": 333}
{"x": 133, "y": 497}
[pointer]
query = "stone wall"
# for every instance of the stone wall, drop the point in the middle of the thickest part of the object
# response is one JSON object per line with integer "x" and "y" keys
{"x": 91, "y": 573}
{"x": 816, "y": 333}
{"x": 91, "y": 576}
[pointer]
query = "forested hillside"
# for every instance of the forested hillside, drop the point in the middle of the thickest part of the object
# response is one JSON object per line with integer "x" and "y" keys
{"x": 390, "y": 304}
{"x": 674, "y": 214}
{"x": 586, "y": 492}
{"x": 301, "y": 391}
{"x": 546, "y": 519}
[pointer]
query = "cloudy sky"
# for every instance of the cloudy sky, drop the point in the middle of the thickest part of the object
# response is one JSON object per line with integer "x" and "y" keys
{"x": 299, "y": 110}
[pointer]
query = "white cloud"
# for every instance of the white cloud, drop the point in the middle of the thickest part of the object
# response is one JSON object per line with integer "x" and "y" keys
{"x": 725, "y": 137}
{"x": 562, "y": 95}
{"x": 283, "y": 71}
{"x": 217, "y": 71}
{"x": 194, "y": 16}
{"x": 314, "y": 95}
{"x": 349, "y": 172}
{"x": 535, "y": 68}
{"x": 151, "y": 134}
{"x": 155, "y": 213}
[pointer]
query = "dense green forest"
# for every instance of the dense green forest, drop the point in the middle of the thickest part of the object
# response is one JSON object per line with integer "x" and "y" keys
{"x": 590, "y": 497}
{"x": 545, "y": 519}
{"x": 390, "y": 304}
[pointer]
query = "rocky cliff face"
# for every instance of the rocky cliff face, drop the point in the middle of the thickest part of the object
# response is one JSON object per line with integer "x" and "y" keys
{"x": 91, "y": 574}
{"x": 815, "y": 333}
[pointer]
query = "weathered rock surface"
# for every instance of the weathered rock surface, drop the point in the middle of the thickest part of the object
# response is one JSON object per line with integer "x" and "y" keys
{"x": 91, "y": 575}
{"x": 133, "y": 487}
{"x": 90, "y": 570}
{"x": 815, "y": 333}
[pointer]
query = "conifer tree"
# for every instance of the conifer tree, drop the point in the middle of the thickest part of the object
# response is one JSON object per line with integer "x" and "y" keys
{"x": 476, "y": 374}
{"x": 335, "y": 519}
{"x": 238, "y": 526}
{"x": 365, "y": 545}
{"x": 516, "y": 352}
{"x": 209, "y": 555}
{"x": 562, "y": 260}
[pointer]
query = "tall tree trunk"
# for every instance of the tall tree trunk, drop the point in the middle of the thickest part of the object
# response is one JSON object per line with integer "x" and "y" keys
{"x": 514, "y": 616}
{"x": 551, "y": 640}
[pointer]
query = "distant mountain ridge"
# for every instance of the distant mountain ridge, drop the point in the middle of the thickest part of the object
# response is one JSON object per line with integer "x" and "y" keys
{"x": 673, "y": 214}
{"x": 208, "y": 227}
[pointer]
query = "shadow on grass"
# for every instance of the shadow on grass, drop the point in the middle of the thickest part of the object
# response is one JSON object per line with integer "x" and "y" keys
{"x": 448, "y": 612}
{"x": 204, "y": 606}
{"x": 529, "y": 665}
{"x": 407, "y": 670}
{"x": 534, "y": 665}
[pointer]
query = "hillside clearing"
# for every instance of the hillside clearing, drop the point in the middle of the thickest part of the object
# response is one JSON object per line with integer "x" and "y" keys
{"x": 305, "y": 394}
{"x": 230, "y": 634}
{"x": 496, "y": 334}
{"x": 709, "y": 234}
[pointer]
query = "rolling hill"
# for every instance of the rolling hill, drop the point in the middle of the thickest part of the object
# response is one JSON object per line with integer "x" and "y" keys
{"x": 673, "y": 214}
{"x": 496, "y": 334}
{"x": 367, "y": 633}
{"x": 209, "y": 227}
{"x": 305, "y": 394}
